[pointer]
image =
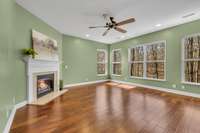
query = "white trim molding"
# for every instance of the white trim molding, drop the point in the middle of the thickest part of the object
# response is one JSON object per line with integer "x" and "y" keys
{"x": 179, "y": 92}
{"x": 21, "y": 104}
{"x": 12, "y": 115}
{"x": 85, "y": 83}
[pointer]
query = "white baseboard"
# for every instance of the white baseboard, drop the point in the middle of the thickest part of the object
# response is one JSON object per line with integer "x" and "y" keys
{"x": 12, "y": 115}
{"x": 10, "y": 120}
{"x": 184, "y": 93}
{"x": 85, "y": 83}
{"x": 19, "y": 105}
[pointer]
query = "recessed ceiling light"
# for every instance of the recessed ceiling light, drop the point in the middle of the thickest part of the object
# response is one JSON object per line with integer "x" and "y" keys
{"x": 87, "y": 35}
{"x": 158, "y": 25}
{"x": 188, "y": 15}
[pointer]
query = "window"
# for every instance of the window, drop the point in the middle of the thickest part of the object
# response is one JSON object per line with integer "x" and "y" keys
{"x": 116, "y": 62}
{"x": 155, "y": 61}
{"x": 191, "y": 59}
{"x": 101, "y": 62}
{"x": 148, "y": 61}
{"x": 137, "y": 61}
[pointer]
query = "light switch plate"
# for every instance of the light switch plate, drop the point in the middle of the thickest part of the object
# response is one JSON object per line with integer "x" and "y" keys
{"x": 183, "y": 87}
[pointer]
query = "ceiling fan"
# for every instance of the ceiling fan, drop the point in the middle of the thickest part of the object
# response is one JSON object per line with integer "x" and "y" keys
{"x": 114, "y": 25}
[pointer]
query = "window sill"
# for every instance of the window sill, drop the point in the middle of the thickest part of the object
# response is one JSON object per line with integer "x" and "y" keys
{"x": 190, "y": 83}
{"x": 102, "y": 75}
{"x": 133, "y": 77}
{"x": 116, "y": 75}
{"x": 162, "y": 80}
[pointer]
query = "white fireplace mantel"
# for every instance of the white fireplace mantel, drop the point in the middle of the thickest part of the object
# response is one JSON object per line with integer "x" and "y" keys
{"x": 37, "y": 67}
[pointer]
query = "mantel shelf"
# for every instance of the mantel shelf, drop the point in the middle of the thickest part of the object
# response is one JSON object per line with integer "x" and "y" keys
{"x": 28, "y": 59}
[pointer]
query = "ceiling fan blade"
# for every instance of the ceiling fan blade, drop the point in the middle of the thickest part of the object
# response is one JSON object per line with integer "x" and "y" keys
{"x": 120, "y": 30}
{"x": 130, "y": 20}
{"x": 106, "y": 32}
{"x": 92, "y": 27}
{"x": 112, "y": 20}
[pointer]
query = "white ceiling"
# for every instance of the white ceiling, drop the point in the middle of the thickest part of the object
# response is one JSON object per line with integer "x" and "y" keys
{"x": 73, "y": 17}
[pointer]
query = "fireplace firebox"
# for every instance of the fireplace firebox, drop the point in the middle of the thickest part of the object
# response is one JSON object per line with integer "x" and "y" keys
{"x": 45, "y": 84}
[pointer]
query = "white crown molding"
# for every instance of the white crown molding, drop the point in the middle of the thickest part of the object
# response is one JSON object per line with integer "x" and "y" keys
{"x": 12, "y": 115}
{"x": 184, "y": 93}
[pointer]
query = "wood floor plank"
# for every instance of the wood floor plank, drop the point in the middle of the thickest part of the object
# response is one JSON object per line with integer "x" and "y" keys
{"x": 102, "y": 108}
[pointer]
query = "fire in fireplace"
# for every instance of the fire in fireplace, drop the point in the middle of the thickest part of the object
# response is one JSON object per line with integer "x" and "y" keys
{"x": 45, "y": 84}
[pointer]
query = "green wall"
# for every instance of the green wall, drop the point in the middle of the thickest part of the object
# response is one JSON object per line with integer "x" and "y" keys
{"x": 15, "y": 34}
{"x": 7, "y": 65}
{"x": 80, "y": 57}
{"x": 173, "y": 37}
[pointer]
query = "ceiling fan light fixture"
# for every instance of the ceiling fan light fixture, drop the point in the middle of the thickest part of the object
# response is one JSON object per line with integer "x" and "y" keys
{"x": 112, "y": 24}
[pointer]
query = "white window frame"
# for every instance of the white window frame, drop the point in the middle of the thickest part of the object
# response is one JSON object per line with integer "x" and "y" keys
{"x": 106, "y": 62}
{"x": 145, "y": 61}
{"x": 183, "y": 60}
{"x": 112, "y": 62}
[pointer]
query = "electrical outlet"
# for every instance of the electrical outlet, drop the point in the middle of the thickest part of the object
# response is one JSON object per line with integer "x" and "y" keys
{"x": 125, "y": 79}
{"x": 174, "y": 85}
{"x": 183, "y": 87}
{"x": 86, "y": 79}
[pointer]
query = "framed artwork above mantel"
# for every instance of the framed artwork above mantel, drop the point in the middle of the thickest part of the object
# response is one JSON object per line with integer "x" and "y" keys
{"x": 45, "y": 47}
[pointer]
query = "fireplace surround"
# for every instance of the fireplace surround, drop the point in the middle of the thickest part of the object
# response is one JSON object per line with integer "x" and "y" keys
{"x": 39, "y": 69}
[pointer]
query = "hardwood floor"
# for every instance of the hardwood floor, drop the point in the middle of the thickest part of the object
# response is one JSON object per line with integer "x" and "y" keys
{"x": 101, "y": 108}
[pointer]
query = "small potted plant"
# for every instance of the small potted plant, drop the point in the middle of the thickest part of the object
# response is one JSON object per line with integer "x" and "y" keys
{"x": 30, "y": 52}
